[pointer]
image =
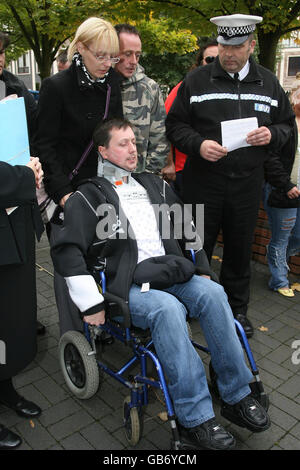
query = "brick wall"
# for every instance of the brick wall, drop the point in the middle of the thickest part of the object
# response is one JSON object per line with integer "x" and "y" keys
{"x": 261, "y": 239}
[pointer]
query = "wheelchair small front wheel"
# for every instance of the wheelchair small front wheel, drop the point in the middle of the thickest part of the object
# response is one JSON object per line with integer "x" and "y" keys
{"x": 132, "y": 422}
{"x": 78, "y": 365}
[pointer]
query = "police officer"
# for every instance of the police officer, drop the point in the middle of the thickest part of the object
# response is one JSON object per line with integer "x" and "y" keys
{"x": 228, "y": 182}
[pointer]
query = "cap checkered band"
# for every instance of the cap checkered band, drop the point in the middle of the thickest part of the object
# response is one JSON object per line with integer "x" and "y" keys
{"x": 234, "y": 31}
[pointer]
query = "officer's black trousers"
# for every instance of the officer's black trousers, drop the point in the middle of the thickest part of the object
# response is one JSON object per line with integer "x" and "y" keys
{"x": 230, "y": 205}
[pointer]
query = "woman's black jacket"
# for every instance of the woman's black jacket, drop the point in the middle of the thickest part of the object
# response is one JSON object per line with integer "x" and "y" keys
{"x": 68, "y": 112}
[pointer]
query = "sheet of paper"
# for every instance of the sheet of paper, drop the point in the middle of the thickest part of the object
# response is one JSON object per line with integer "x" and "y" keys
{"x": 14, "y": 145}
{"x": 234, "y": 132}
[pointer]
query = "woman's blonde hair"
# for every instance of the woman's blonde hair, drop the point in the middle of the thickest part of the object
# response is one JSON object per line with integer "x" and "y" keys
{"x": 98, "y": 30}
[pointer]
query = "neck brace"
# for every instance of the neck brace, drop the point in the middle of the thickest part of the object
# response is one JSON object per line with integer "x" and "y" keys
{"x": 112, "y": 172}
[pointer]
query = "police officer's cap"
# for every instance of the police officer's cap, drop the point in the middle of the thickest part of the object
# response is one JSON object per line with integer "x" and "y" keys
{"x": 235, "y": 29}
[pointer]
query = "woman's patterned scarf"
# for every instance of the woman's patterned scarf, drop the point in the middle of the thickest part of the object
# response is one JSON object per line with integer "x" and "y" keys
{"x": 84, "y": 76}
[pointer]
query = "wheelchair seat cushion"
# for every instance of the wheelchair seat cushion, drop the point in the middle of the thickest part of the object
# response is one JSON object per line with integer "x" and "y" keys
{"x": 163, "y": 271}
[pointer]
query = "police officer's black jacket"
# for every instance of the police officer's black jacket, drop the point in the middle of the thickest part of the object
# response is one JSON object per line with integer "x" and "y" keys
{"x": 208, "y": 96}
{"x": 79, "y": 242}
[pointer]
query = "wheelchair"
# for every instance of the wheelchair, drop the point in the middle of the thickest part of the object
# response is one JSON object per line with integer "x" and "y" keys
{"x": 83, "y": 368}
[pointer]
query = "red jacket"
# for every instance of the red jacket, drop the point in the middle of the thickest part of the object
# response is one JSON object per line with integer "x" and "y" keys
{"x": 179, "y": 157}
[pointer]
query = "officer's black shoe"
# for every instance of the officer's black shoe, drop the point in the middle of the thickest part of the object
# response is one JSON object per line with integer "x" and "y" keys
{"x": 8, "y": 439}
{"x": 208, "y": 435}
{"x": 247, "y": 413}
{"x": 246, "y": 324}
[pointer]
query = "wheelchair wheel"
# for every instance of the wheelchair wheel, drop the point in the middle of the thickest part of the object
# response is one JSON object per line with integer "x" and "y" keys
{"x": 80, "y": 370}
{"x": 132, "y": 422}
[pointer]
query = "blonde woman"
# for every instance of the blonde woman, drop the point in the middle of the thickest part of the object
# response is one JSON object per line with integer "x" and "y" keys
{"x": 72, "y": 103}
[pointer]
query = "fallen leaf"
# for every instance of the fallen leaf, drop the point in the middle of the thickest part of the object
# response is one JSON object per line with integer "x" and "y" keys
{"x": 31, "y": 423}
{"x": 263, "y": 328}
{"x": 163, "y": 416}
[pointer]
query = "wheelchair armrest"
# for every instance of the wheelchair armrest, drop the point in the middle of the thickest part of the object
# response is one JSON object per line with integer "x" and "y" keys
{"x": 122, "y": 308}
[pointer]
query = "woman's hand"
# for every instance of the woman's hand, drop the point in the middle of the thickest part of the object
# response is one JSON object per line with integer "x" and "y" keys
{"x": 293, "y": 193}
{"x": 36, "y": 167}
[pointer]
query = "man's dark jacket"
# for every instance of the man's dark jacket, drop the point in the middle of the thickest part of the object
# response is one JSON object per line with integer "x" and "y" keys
{"x": 278, "y": 168}
{"x": 75, "y": 246}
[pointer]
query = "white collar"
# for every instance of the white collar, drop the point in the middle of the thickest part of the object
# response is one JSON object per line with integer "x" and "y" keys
{"x": 242, "y": 73}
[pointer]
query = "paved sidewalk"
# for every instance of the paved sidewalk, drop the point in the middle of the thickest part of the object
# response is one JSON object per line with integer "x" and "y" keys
{"x": 70, "y": 424}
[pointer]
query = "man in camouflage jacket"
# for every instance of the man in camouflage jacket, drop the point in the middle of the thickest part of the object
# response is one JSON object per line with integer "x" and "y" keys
{"x": 143, "y": 103}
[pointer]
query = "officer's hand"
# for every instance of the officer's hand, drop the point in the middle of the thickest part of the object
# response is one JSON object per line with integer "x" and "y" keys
{"x": 212, "y": 151}
{"x": 260, "y": 136}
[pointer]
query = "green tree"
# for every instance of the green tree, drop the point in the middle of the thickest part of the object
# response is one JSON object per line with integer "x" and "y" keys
{"x": 280, "y": 18}
{"x": 44, "y": 25}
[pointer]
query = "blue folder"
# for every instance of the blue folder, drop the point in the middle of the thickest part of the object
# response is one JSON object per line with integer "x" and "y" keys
{"x": 14, "y": 144}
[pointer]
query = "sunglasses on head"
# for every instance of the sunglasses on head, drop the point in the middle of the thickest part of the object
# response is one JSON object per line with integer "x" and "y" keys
{"x": 209, "y": 59}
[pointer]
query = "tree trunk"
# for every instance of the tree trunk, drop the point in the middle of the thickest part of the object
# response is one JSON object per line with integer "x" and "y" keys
{"x": 267, "y": 48}
{"x": 45, "y": 67}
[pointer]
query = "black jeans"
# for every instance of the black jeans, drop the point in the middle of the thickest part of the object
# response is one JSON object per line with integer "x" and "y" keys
{"x": 231, "y": 206}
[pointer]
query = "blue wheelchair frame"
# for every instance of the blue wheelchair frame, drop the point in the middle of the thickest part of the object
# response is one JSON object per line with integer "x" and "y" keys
{"x": 139, "y": 385}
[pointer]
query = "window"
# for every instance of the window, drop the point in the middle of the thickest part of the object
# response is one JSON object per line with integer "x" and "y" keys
{"x": 24, "y": 64}
{"x": 293, "y": 66}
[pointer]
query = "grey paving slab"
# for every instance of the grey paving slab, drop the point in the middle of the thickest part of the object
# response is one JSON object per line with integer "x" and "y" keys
{"x": 68, "y": 423}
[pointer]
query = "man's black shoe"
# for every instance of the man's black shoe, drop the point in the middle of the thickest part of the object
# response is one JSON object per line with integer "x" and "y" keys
{"x": 24, "y": 408}
{"x": 246, "y": 324}
{"x": 208, "y": 435}
{"x": 247, "y": 413}
{"x": 8, "y": 439}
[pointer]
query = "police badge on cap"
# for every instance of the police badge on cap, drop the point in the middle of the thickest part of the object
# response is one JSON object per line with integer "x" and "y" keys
{"x": 235, "y": 29}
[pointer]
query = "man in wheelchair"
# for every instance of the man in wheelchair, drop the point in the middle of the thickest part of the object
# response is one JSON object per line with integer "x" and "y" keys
{"x": 127, "y": 221}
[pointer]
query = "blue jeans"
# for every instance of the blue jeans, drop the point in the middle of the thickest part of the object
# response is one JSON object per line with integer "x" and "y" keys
{"x": 164, "y": 312}
{"x": 285, "y": 240}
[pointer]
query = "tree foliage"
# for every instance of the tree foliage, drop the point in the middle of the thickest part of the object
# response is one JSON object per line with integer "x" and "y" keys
{"x": 166, "y": 26}
{"x": 280, "y": 19}
{"x": 44, "y": 25}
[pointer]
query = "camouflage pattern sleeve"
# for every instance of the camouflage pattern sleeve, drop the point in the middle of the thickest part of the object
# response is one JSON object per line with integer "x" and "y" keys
{"x": 143, "y": 105}
{"x": 158, "y": 145}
